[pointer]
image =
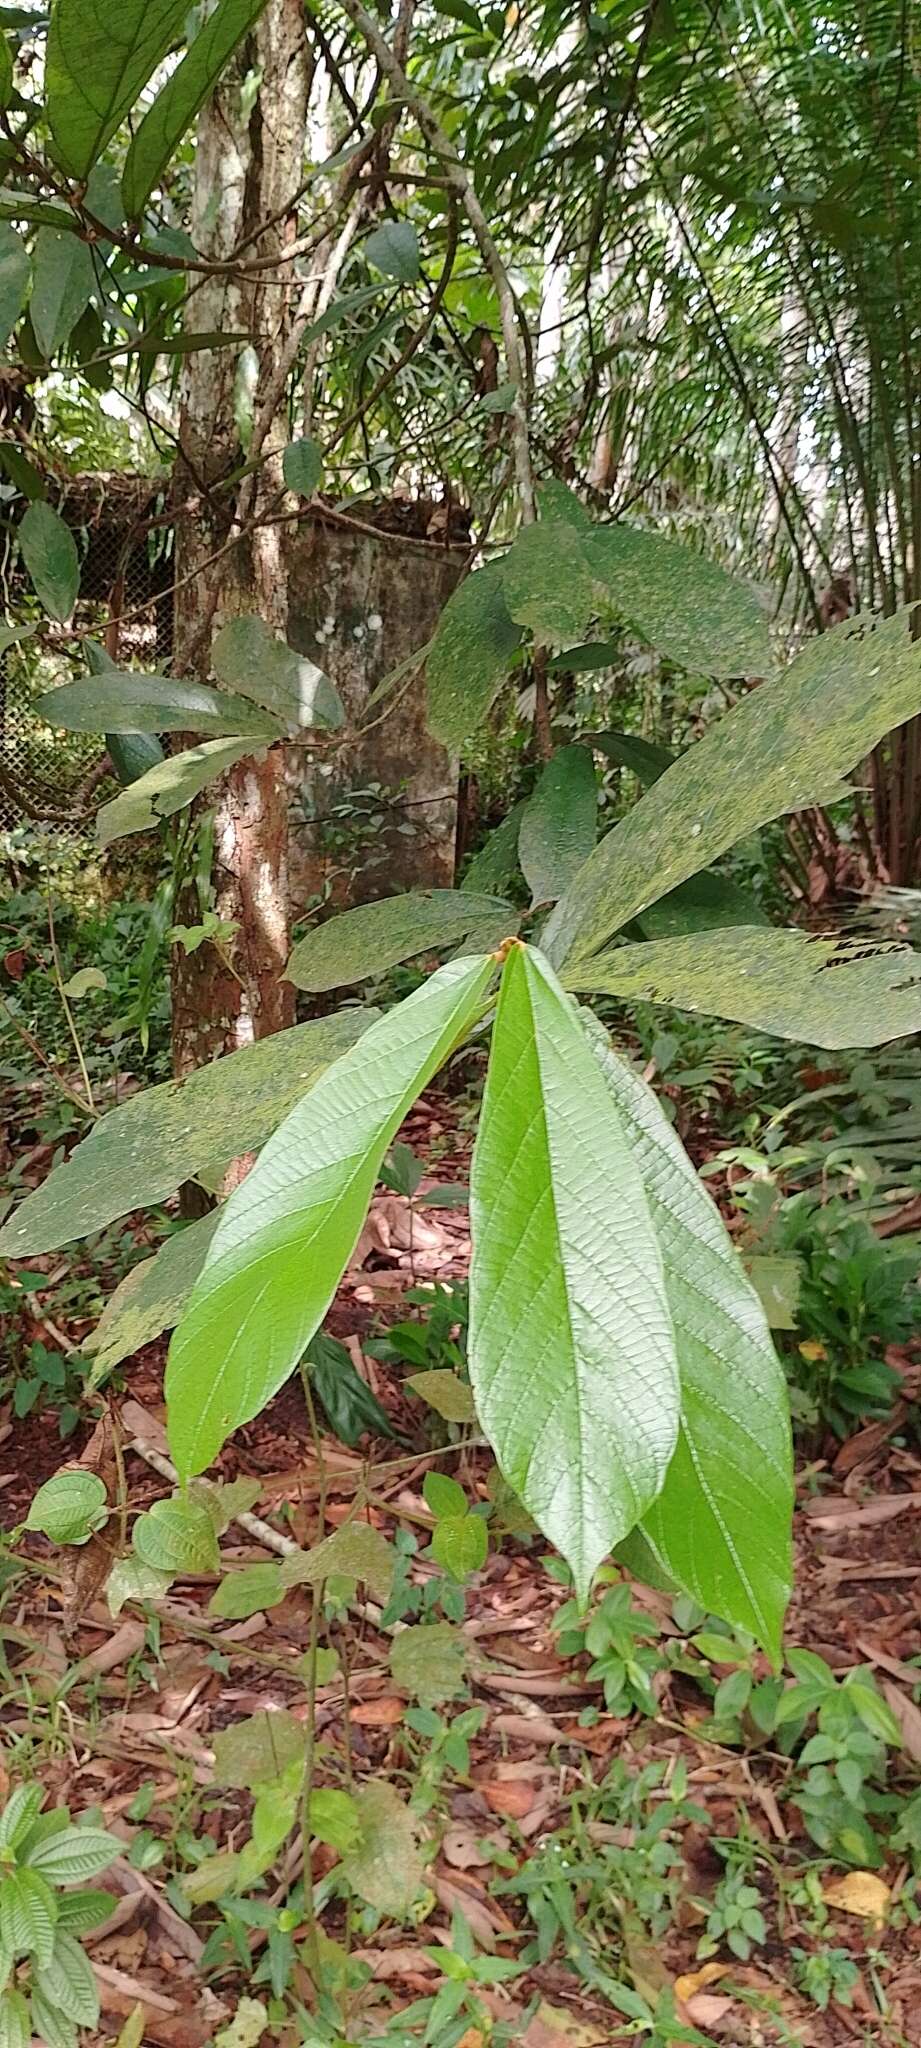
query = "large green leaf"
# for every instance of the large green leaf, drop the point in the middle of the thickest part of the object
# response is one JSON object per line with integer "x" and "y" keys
{"x": 385, "y": 1868}
{"x": 68, "y": 1982}
{"x": 50, "y": 555}
{"x": 14, "y": 280}
{"x": 286, "y": 1233}
{"x": 792, "y": 983}
{"x": 787, "y": 745}
{"x": 646, "y": 759}
{"x": 142, "y": 1151}
{"x": 375, "y": 936}
{"x": 471, "y": 652}
{"x": 110, "y": 701}
{"x": 559, "y": 823}
{"x": 180, "y": 99}
{"x": 101, "y": 54}
{"x": 686, "y": 607}
{"x": 495, "y": 867}
{"x": 720, "y": 1527}
{"x": 251, "y": 659}
{"x": 62, "y": 285}
{"x": 572, "y": 1355}
{"x": 169, "y": 787}
{"x": 698, "y": 905}
{"x": 150, "y": 1299}
{"x": 547, "y": 583}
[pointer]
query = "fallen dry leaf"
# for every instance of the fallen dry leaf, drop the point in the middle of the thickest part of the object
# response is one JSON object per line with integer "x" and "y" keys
{"x": 696, "y": 1980}
{"x": 860, "y": 1892}
{"x": 382, "y": 1713}
{"x": 705, "y": 2010}
{"x": 908, "y": 1717}
{"x": 513, "y": 1797}
{"x": 552, "y": 2027}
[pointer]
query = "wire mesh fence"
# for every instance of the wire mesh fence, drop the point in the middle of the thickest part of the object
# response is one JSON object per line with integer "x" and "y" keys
{"x": 51, "y": 780}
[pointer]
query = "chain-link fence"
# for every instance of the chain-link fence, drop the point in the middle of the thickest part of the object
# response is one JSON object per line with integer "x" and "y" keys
{"x": 50, "y": 779}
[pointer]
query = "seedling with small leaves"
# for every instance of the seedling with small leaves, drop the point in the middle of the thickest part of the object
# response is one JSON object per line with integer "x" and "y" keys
{"x": 47, "y": 1986}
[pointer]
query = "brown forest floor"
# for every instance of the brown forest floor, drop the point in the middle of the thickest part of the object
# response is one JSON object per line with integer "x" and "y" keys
{"x": 131, "y": 1719}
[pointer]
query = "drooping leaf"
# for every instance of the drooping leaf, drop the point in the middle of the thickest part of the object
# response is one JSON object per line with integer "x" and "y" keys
{"x": 21, "y": 1810}
{"x": 685, "y": 606}
{"x": 443, "y": 1495}
{"x": 785, "y": 746}
{"x": 168, "y": 788}
{"x": 69, "y": 1507}
{"x": 50, "y": 555}
{"x": 355, "y": 1551}
{"x": 494, "y": 868}
{"x": 28, "y": 1914}
{"x": 63, "y": 279}
{"x": 81, "y": 1911}
{"x": 53, "y": 2027}
{"x": 472, "y": 651}
{"x": 180, "y": 99}
{"x": 720, "y": 1527}
{"x": 334, "y": 1818}
{"x": 68, "y": 1982}
{"x": 250, "y": 1591}
{"x": 150, "y": 1298}
{"x": 428, "y": 1662}
{"x": 131, "y": 1580}
{"x": 176, "y": 1535}
{"x": 646, "y": 759}
{"x": 302, "y": 466}
{"x": 572, "y": 1356}
{"x": 98, "y": 63}
{"x": 375, "y": 936}
{"x": 385, "y": 1868}
{"x": 547, "y": 583}
{"x": 393, "y": 248}
{"x": 699, "y": 905}
{"x": 15, "y": 2025}
{"x": 577, "y": 661}
{"x": 793, "y": 983}
{"x": 346, "y": 1399}
{"x": 258, "y": 1750}
{"x": 256, "y": 662}
{"x": 275, "y": 1811}
{"x": 286, "y": 1233}
{"x": 128, "y": 703}
{"x": 132, "y": 754}
{"x": 444, "y": 1392}
{"x": 225, "y": 1500}
{"x": 559, "y": 823}
{"x": 142, "y": 1151}
{"x": 15, "y": 271}
{"x": 460, "y": 1544}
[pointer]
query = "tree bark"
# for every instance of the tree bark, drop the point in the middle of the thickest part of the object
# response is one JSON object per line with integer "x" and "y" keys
{"x": 247, "y": 173}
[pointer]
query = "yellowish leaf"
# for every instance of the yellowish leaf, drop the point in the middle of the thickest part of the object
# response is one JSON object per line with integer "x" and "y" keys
{"x": 695, "y": 1980}
{"x": 811, "y": 1350}
{"x": 860, "y": 1892}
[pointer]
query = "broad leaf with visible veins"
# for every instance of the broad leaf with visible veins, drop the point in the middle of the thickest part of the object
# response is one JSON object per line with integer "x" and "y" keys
{"x": 288, "y": 1230}
{"x": 375, "y": 936}
{"x": 720, "y": 1527}
{"x": 559, "y": 823}
{"x": 792, "y": 983}
{"x": 572, "y": 1352}
{"x": 787, "y": 745}
{"x": 143, "y": 1151}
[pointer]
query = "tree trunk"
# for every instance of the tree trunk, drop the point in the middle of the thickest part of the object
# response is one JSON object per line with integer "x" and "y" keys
{"x": 247, "y": 173}
{"x": 381, "y": 812}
